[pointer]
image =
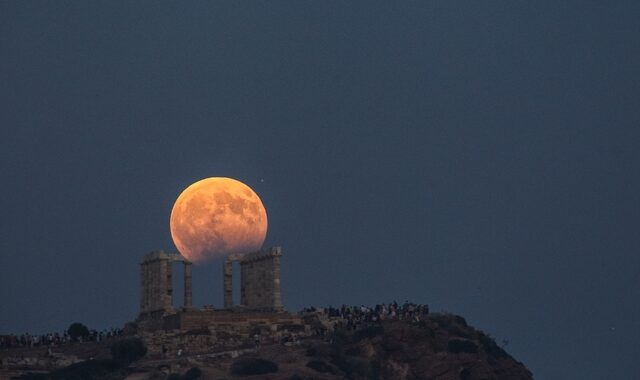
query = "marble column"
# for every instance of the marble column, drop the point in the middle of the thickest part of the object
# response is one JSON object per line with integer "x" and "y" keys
{"x": 227, "y": 274}
{"x": 188, "y": 295}
{"x": 168, "y": 285}
{"x": 275, "y": 272}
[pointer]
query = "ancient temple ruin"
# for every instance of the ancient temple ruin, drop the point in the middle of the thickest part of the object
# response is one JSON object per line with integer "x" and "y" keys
{"x": 259, "y": 280}
{"x": 156, "y": 298}
{"x": 164, "y": 326}
{"x": 259, "y": 283}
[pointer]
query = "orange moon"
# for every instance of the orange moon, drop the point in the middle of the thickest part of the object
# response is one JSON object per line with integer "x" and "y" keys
{"x": 215, "y": 217}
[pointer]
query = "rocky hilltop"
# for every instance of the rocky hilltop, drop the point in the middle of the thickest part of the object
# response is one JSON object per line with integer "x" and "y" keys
{"x": 441, "y": 346}
{"x": 437, "y": 346}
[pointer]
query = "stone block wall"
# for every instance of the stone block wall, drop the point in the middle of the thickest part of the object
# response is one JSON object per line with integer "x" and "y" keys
{"x": 260, "y": 280}
{"x": 156, "y": 287}
{"x": 156, "y": 290}
{"x": 200, "y": 331}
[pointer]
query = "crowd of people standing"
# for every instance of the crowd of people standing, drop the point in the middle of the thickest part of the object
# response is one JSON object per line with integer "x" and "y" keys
{"x": 352, "y": 317}
{"x": 55, "y": 339}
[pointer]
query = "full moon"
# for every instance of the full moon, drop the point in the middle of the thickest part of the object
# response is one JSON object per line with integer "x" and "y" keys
{"x": 215, "y": 217}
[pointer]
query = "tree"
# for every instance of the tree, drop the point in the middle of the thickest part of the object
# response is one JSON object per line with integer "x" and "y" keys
{"x": 78, "y": 330}
{"x": 253, "y": 366}
{"x": 128, "y": 351}
{"x": 193, "y": 374}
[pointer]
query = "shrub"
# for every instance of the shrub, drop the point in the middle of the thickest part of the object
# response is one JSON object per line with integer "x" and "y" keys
{"x": 368, "y": 332}
{"x": 460, "y": 320}
{"x": 35, "y": 376}
{"x": 353, "y": 351}
{"x": 456, "y": 330}
{"x": 193, "y": 374}
{"x": 339, "y": 338}
{"x": 89, "y": 369}
{"x": 491, "y": 347}
{"x": 392, "y": 345}
{"x": 321, "y": 349}
{"x": 253, "y": 366}
{"x": 320, "y": 366}
{"x": 78, "y": 330}
{"x": 354, "y": 367}
{"x": 128, "y": 351}
{"x": 422, "y": 324}
{"x": 457, "y": 346}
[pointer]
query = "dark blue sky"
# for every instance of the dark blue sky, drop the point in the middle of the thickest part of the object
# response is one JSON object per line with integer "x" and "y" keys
{"x": 481, "y": 157}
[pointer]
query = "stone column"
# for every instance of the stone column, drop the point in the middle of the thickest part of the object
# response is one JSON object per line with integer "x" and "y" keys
{"x": 168, "y": 297}
{"x": 277, "y": 295}
{"x": 144, "y": 288}
{"x": 188, "y": 296}
{"x": 243, "y": 284}
{"x": 227, "y": 278}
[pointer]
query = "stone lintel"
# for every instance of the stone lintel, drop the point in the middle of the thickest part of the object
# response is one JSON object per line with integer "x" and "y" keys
{"x": 162, "y": 255}
{"x": 235, "y": 257}
{"x": 263, "y": 254}
{"x": 154, "y": 256}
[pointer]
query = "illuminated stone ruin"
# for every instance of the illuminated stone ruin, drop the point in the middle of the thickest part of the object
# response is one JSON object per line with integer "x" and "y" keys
{"x": 259, "y": 280}
{"x": 156, "y": 298}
